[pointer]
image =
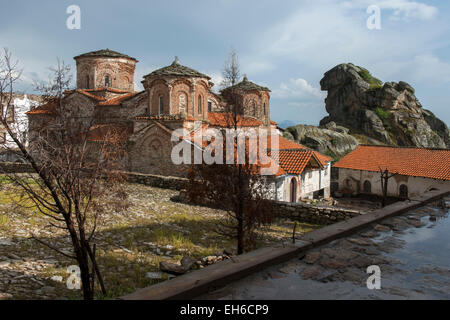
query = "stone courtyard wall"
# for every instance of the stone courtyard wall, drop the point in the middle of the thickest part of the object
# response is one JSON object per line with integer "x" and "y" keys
{"x": 308, "y": 213}
{"x": 15, "y": 167}
{"x": 301, "y": 212}
{"x": 153, "y": 180}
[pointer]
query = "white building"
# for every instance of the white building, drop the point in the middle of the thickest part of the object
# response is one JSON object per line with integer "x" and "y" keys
{"x": 18, "y": 122}
{"x": 417, "y": 170}
{"x": 302, "y": 174}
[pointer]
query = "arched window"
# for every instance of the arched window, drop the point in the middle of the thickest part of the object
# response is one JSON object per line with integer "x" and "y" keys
{"x": 209, "y": 106}
{"x": 200, "y": 111}
{"x": 403, "y": 191}
{"x": 265, "y": 111}
{"x": 367, "y": 187}
{"x": 106, "y": 81}
{"x": 182, "y": 98}
{"x": 293, "y": 190}
{"x": 87, "y": 82}
{"x": 160, "y": 105}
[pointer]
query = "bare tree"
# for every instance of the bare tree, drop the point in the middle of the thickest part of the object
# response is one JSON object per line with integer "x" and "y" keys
{"x": 231, "y": 71}
{"x": 236, "y": 186}
{"x": 73, "y": 181}
{"x": 384, "y": 178}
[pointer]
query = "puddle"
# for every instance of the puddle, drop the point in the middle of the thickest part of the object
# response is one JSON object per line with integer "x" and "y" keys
{"x": 419, "y": 269}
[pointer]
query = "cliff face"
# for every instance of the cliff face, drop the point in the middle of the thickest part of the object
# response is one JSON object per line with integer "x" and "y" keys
{"x": 389, "y": 113}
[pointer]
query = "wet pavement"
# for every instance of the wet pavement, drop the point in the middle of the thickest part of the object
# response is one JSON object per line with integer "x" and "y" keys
{"x": 411, "y": 250}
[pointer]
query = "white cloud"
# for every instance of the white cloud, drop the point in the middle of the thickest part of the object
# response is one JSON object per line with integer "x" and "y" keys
{"x": 401, "y": 9}
{"x": 424, "y": 69}
{"x": 297, "y": 88}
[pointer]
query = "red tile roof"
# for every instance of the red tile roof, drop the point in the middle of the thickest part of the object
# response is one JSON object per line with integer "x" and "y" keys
{"x": 417, "y": 162}
{"x": 284, "y": 144}
{"x": 108, "y": 89}
{"x": 116, "y": 101}
{"x": 294, "y": 161}
{"x": 49, "y": 108}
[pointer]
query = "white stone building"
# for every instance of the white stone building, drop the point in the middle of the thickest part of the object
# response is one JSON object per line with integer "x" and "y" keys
{"x": 302, "y": 174}
{"x": 18, "y": 122}
{"x": 417, "y": 170}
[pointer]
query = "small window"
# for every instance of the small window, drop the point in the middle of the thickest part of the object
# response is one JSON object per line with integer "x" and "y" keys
{"x": 87, "y": 82}
{"x": 200, "y": 111}
{"x": 209, "y": 106}
{"x": 265, "y": 111}
{"x": 160, "y": 105}
{"x": 107, "y": 81}
{"x": 309, "y": 174}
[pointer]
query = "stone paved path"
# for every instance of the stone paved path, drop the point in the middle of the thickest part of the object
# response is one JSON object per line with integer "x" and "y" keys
{"x": 412, "y": 251}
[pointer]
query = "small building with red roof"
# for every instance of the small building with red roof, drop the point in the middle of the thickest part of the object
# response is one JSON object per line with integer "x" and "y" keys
{"x": 415, "y": 170}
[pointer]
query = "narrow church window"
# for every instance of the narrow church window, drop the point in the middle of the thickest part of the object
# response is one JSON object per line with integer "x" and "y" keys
{"x": 87, "y": 82}
{"x": 182, "y": 103}
{"x": 209, "y": 106}
{"x": 265, "y": 111}
{"x": 107, "y": 81}
{"x": 161, "y": 105}
{"x": 200, "y": 105}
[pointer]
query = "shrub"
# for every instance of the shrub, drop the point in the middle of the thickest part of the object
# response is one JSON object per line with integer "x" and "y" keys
{"x": 373, "y": 82}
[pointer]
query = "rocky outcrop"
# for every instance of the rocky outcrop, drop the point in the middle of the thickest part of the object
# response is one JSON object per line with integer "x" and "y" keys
{"x": 388, "y": 113}
{"x": 332, "y": 139}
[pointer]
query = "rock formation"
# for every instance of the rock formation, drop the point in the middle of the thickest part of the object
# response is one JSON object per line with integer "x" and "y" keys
{"x": 332, "y": 140}
{"x": 389, "y": 112}
{"x": 364, "y": 110}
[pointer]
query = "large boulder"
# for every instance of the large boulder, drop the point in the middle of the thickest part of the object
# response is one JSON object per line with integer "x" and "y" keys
{"x": 332, "y": 140}
{"x": 389, "y": 113}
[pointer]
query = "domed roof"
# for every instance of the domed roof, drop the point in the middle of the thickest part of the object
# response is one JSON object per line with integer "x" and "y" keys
{"x": 246, "y": 85}
{"x": 105, "y": 53}
{"x": 177, "y": 70}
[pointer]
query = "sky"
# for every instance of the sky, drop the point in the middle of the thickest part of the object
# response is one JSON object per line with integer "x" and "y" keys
{"x": 285, "y": 45}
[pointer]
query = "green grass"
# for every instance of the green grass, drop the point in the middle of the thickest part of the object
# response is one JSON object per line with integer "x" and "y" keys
{"x": 4, "y": 219}
{"x": 382, "y": 114}
{"x": 374, "y": 83}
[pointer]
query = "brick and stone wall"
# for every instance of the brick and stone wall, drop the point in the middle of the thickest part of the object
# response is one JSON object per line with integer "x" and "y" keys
{"x": 119, "y": 70}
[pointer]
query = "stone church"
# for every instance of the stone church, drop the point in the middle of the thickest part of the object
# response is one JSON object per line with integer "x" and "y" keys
{"x": 176, "y": 97}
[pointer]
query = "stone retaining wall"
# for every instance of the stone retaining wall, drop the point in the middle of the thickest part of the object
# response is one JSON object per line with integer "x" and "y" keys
{"x": 15, "y": 167}
{"x": 304, "y": 212}
{"x": 174, "y": 183}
